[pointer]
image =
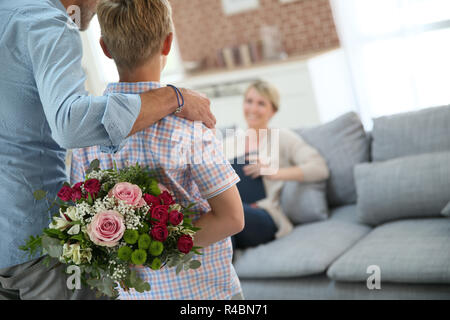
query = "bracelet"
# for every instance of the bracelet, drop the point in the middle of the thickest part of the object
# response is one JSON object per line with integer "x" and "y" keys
{"x": 179, "y": 95}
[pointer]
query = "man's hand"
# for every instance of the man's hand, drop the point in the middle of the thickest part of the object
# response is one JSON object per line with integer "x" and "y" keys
{"x": 197, "y": 108}
{"x": 158, "y": 103}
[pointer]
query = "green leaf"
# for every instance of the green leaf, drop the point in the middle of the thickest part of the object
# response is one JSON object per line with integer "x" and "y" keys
{"x": 39, "y": 194}
{"x": 104, "y": 286}
{"x": 54, "y": 233}
{"x": 134, "y": 281}
{"x": 95, "y": 164}
{"x": 154, "y": 189}
{"x": 188, "y": 257}
{"x": 179, "y": 268}
{"x": 194, "y": 264}
{"x": 90, "y": 201}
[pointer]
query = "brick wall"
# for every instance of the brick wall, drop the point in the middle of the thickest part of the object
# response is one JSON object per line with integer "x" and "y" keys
{"x": 203, "y": 29}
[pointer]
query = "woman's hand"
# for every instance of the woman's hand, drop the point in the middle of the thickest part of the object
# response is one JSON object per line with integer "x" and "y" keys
{"x": 258, "y": 169}
{"x": 284, "y": 174}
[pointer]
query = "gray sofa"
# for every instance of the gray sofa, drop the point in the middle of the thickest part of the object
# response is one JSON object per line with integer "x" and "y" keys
{"x": 384, "y": 202}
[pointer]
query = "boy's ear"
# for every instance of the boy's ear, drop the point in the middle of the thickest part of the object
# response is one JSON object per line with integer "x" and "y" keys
{"x": 104, "y": 48}
{"x": 167, "y": 45}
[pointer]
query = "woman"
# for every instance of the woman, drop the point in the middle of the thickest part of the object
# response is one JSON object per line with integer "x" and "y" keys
{"x": 297, "y": 161}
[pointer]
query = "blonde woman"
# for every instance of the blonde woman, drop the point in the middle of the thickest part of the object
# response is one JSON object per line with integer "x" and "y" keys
{"x": 297, "y": 161}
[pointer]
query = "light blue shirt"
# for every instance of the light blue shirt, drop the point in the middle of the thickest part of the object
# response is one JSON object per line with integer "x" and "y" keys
{"x": 44, "y": 108}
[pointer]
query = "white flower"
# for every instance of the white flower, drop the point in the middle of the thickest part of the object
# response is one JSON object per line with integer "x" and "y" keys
{"x": 72, "y": 213}
{"x": 76, "y": 254}
{"x": 59, "y": 222}
{"x": 67, "y": 251}
{"x": 74, "y": 230}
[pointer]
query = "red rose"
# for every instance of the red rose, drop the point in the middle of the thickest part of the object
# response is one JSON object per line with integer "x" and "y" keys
{"x": 175, "y": 217}
{"x": 166, "y": 198}
{"x": 185, "y": 243}
{"x": 65, "y": 193}
{"x": 151, "y": 200}
{"x": 159, "y": 232}
{"x": 76, "y": 191}
{"x": 92, "y": 186}
{"x": 161, "y": 214}
{"x": 76, "y": 195}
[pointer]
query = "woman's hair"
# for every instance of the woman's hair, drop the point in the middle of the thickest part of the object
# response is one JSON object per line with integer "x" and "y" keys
{"x": 268, "y": 91}
{"x": 134, "y": 30}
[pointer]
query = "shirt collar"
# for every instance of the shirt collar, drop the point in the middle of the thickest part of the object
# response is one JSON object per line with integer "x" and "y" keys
{"x": 59, "y": 5}
{"x": 131, "y": 87}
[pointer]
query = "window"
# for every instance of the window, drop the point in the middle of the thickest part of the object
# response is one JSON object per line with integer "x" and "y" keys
{"x": 397, "y": 52}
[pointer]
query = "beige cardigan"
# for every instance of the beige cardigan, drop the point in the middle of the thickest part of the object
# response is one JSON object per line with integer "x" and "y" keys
{"x": 292, "y": 151}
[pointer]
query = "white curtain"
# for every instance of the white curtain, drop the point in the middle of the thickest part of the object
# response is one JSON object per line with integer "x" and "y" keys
{"x": 398, "y": 53}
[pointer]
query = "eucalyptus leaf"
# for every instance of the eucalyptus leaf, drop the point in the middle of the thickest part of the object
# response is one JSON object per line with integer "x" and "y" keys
{"x": 52, "y": 246}
{"x": 188, "y": 256}
{"x": 179, "y": 268}
{"x": 194, "y": 264}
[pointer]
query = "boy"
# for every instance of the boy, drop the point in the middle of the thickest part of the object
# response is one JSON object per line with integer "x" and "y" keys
{"x": 138, "y": 35}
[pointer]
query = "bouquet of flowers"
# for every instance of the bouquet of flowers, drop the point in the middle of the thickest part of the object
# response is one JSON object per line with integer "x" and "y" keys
{"x": 112, "y": 221}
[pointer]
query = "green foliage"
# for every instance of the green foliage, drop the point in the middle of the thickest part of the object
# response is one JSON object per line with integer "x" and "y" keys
{"x": 124, "y": 253}
{"x": 144, "y": 241}
{"x": 144, "y": 229}
{"x": 138, "y": 257}
{"x": 52, "y": 246}
{"x": 131, "y": 236}
{"x": 156, "y": 264}
{"x": 156, "y": 248}
{"x": 93, "y": 166}
{"x": 140, "y": 176}
{"x": 33, "y": 246}
{"x": 133, "y": 281}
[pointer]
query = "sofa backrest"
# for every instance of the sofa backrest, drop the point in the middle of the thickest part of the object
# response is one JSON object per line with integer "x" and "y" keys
{"x": 343, "y": 143}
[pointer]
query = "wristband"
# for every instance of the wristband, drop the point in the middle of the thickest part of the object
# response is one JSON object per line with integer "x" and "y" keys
{"x": 179, "y": 95}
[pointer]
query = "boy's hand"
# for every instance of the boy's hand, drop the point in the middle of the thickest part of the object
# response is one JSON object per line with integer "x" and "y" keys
{"x": 197, "y": 108}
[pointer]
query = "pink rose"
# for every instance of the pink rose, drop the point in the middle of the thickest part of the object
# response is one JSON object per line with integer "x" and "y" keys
{"x": 166, "y": 198}
{"x": 65, "y": 193}
{"x": 106, "y": 228}
{"x": 92, "y": 185}
{"x": 159, "y": 232}
{"x": 130, "y": 193}
{"x": 175, "y": 217}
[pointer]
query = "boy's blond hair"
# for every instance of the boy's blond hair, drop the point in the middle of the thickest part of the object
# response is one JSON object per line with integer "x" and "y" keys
{"x": 134, "y": 30}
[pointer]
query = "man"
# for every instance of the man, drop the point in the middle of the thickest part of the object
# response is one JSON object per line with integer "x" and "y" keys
{"x": 44, "y": 109}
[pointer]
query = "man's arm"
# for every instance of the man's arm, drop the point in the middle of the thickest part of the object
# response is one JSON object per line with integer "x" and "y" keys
{"x": 79, "y": 120}
{"x": 156, "y": 104}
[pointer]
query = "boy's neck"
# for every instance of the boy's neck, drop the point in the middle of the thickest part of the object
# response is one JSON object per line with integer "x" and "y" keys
{"x": 150, "y": 71}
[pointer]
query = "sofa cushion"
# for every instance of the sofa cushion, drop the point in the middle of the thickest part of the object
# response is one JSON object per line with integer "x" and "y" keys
{"x": 308, "y": 249}
{"x": 446, "y": 210}
{"x": 343, "y": 143}
{"x": 410, "y": 251}
{"x": 411, "y": 133}
{"x": 414, "y": 186}
{"x": 304, "y": 202}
